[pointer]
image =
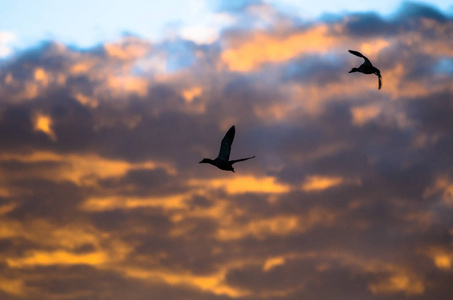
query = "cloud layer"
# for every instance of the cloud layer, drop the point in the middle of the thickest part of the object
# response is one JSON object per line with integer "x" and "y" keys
{"x": 350, "y": 195}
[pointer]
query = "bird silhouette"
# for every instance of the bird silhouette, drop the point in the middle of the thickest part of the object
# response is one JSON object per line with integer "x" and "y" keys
{"x": 366, "y": 67}
{"x": 222, "y": 161}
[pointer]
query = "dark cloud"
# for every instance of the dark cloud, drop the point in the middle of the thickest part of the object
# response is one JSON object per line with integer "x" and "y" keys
{"x": 314, "y": 69}
{"x": 366, "y": 24}
{"x": 141, "y": 182}
{"x": 432, "y": 113}
{"x": 46, "y": 199}
{"x": 411, "y": 10}
{"x": 406, "y": 19}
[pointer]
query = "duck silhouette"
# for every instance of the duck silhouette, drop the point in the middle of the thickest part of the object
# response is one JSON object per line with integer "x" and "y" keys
{"x": 366, "y": 67}
{"x": 222, "y": 161}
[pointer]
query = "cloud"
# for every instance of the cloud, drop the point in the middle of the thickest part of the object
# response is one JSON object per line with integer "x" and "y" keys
{"x": 350, "y": 193}
{"x": 5, "y": 40}
{"x": 236, "y": 6}
{"x": 261, "y": 48}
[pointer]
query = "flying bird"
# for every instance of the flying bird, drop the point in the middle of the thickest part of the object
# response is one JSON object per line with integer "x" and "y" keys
{"x": 366, "y": 67}
{"x": 222, "y": 161}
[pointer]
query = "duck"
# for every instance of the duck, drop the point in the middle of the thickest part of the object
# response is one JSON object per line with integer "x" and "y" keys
{"x": 223, "y": 161}
{"x": 366, "y": 67}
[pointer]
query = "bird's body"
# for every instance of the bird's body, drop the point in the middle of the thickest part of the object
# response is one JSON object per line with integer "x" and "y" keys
{"x": 219, "y": 163}
{"x": 223, "y": 161}
{"x": 367, "y": 67}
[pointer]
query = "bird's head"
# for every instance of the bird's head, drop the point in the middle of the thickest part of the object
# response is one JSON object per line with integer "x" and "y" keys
{"x": 354, "y": 70}
{"x": 205, "y": 161}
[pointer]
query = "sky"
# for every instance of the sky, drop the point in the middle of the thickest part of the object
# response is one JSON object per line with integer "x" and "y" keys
{"x": 107, "y": 108}
{"x": 23, "y": 23}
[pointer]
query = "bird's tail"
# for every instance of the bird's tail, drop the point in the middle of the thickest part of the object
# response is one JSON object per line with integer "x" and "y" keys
{"x": 242, "y": 159}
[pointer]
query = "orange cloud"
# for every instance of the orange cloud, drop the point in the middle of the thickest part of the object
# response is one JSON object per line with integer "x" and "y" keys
{"x": 398, "y": 278}
{"x": 266, "y": 48}
{"x": 86, "y": 100}
{"x": 364, "y": 114}
{"x": 44, "y": 123}
{"x": 81, "y": 67}
{"x": 9, "y": 78}
{"x": 190, "y": 94}
{"x": 372, "y": 48}
{"x": 128, "y": 84}
{"x": 5, "y": 209}
{"x": 41, "y": 76}
{"x": 62, "y": 244}
{"x": 443, "y": 261}
{"x": 129, "y": 48}
{"x": 84, "y": 169}
{"x": 273, "y": 262}
{"x": 45, "y": 233}
{"x": 60, "y": 257}
{"x": 404, "y": 283}
{"x": 111, "y": 203}
{"x": 213, "y": 283}
{"x": 443, "y": 185}
{"x": 442, "y": 257}
{"x": 277, "y": 226}
{"x": 319, "y": 183}
{"x": 14, "y": 287}
{"x": 244, "y": 184}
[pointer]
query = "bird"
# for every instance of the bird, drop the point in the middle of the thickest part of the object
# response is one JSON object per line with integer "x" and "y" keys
{"x": 366, "y": 67}
{"x": 223, "y": 161}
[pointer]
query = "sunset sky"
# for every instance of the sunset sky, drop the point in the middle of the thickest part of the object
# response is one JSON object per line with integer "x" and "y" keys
{"x": 106, "y": 108}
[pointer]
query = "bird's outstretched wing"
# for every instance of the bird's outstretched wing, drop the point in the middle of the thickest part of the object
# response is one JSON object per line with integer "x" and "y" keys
{"x": 380, "y": 81}
{"x": 225, "y": 147}
{"x": 241, "y": 159}
{"x": 357, "y": 53}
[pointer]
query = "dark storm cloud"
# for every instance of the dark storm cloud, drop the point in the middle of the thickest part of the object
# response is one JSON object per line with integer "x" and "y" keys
{"x": 15, "y": 126}
{"x": 421, "y": 10}
{"x": 364, "y": 24}
{"x": 349, "y": 195}
{"x": 47, "y": 199}
{"x": 432, "y": 113}
{"x": 405, "y": 19}
{"x": 141, "y": 181}
{"x": 314, "y": 69}
{"x": 304, "y": 278}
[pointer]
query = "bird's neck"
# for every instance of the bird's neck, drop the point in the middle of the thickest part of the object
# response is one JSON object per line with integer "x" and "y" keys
{"x": 208, "y": 161}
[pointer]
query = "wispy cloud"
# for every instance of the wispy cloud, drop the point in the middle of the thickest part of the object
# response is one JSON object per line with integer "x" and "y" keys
{"x": 6, "y": 39}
